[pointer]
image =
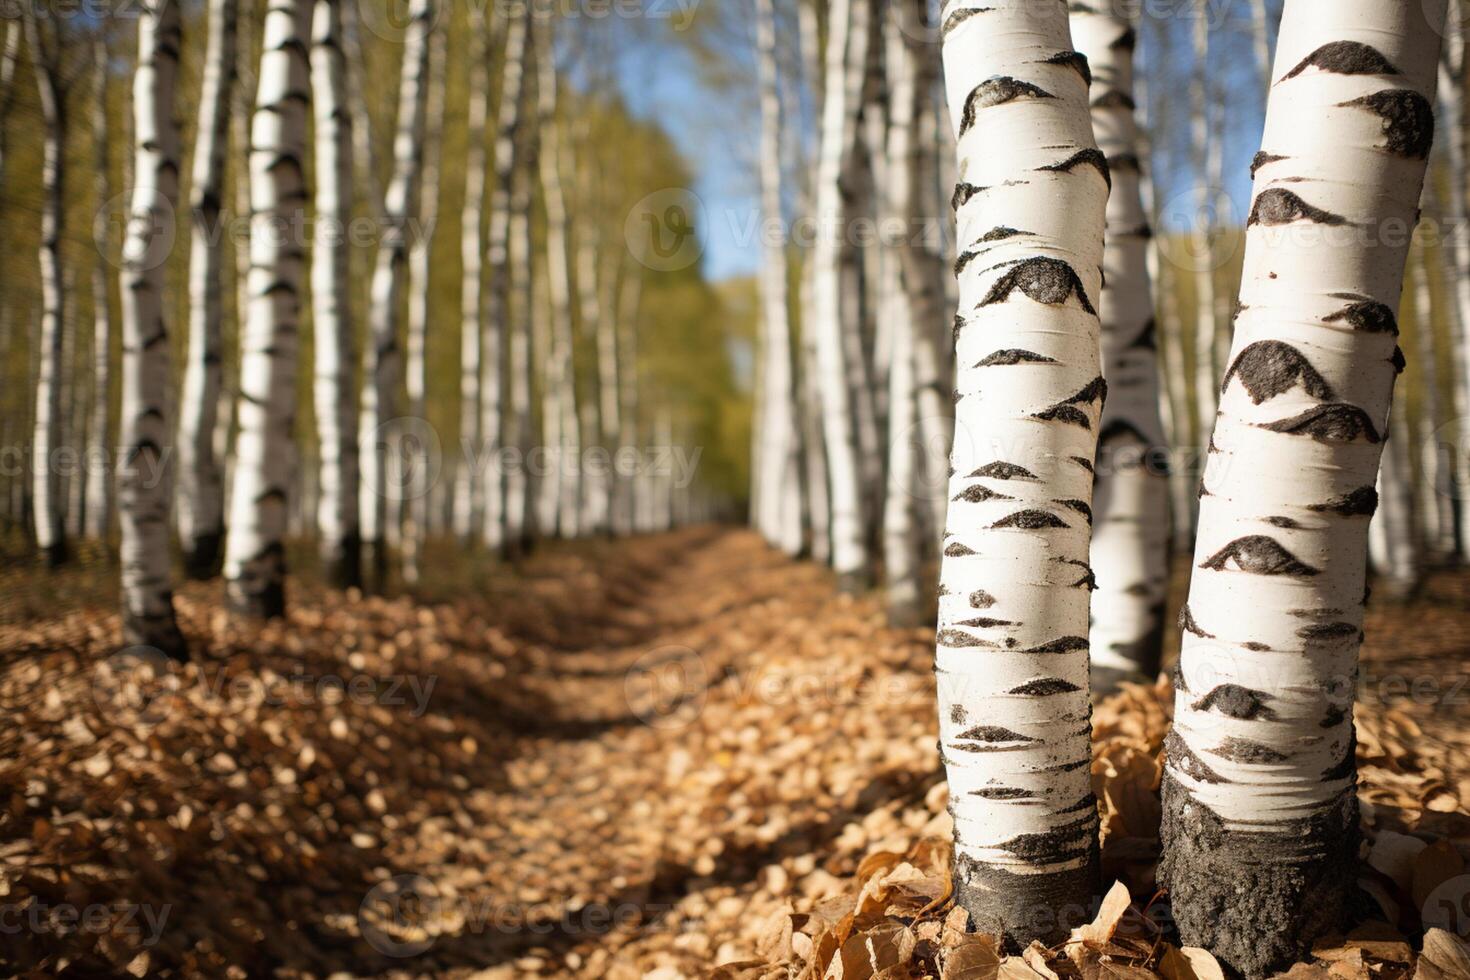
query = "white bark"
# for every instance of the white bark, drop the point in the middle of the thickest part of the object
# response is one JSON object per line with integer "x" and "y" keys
{"x": 630, "y": 299}
{"x": 470, "y": 482}
{"x": 560, "y": 488}
{"x": 1260, "y": 762}
{"x": 1130, "y": 539}
{"x": 1433, "y": 500}
{"x": 142, "y": 485}
{"x": 1451, "y": 97}
{"x": 846, "y": 60}
{"x": 98, "y": 522}
{"x": 900, "y": 536}
{"x": 520, "y": 502}
{"x": 380, "y": 393}
{"x": 1204, "y": 154}
{"x": 47, "y": 491}
{"x": 415, "y": 451}
{"x": 1392, "y": 534}
{"x": 778, "y": 489}
{"x": 334, "y": 389}
{"x": 255, "y": 559}
{"x": 201, "y": 487}
{"x": 1015, "y": 583}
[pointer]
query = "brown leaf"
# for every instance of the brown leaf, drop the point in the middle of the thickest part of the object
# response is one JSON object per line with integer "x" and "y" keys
{"x": 1190, "y": 963}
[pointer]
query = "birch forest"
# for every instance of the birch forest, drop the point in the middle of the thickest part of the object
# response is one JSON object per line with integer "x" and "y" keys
{"x": 735, "y": 489}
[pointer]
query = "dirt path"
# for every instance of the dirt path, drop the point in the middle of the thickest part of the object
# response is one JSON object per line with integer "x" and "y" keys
{"x": 626, "y": 760}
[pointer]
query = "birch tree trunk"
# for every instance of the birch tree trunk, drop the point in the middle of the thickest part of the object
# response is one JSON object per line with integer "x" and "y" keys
{"x": 504, "y": 487}
{"x": 49, "y": 501}
{"x": 1393, "y": 532}
{"x": 255, "y": 555}
{"x": 1203, "y": 154}
{"x": 142, "y": 485}
{"x": 846, "y": 60}
{"x": 779, "y": 489}
{"x": 1130, "y": 538}
{"x": 1260, "y": 824}
{"x": 900, "y": 537}
{"x": 201, "y": 487}
{"x": 1015, "y": 582}
{"x": 630, "y": 299}
{"x": 9, "y": 58}
{"x": 415, "y": 450}
{"x": 1451, "y": 95}
{"x": 335, "y": 383}
{"x": 99, "y": 462}
{"x": 380, "y": 394}
{"x": 469, "y": 499}
{"x": 520, "y": 501}
{"x": 561, "y": 487}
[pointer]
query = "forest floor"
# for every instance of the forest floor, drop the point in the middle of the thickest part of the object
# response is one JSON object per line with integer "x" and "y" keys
{"x": 624, "y": 759}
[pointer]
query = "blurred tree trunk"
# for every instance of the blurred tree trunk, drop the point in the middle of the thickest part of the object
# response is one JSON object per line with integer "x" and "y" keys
{"x": 142, "y": 485}
{"x": 1204, "y": 159}
{"x": 98, "y": 523}
{"x": 630, "y": 308}
{"x": 255, "y": 557}
{"x": 335, "y": 388}
{"x": 49, "y": 503}
{"x": 520, "y": 496}
{"x": 201, "y": 487}
{"x": 414, "y": 450}
{"x": 1015, "y": 581}
{"x": 1260, "y": 829}
{"x": 1452, "y": 100}
{"x": 1130, "y": 538}
{"x": 376, "y": 436}
{"x": 846, "y": 63}
{"x": 469, "y": 492}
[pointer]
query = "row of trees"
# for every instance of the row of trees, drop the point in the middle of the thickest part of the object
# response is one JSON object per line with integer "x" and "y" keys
{"x": 564, "y": 405}
{"x": 1054, "y": 530}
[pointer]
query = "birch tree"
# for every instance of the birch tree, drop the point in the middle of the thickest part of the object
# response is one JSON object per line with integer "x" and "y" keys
{"x": 142, "y": 487}
{"x": 1130, "y": 539}
{"x": 98, "y": 520}
{"x": 779, "y": 488}
{"x": 201, "y": 485}
{"x": 846, "y": 60}
{"x": 255, "y": 557}
{"x": 1014, "y": 580}
{"x": 335, "y": 379}
{"x": 1260, "y": 827}
{"x": 49, "y": 501}
{"x": 380, "y": 393}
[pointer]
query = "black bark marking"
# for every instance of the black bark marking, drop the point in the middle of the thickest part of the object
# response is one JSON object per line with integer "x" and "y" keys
{"x": 1043, "y": 279}
{"x": 1408, "y": 121}
{"x": 1000, "y": 470}
{"x": 993, "y": 733}
{"x": 958, "y": 638}
{"x": 1003, "y": 793}
{"x": 1075, "y": 60}
{"x": 1258, "y": 554}
{"x": 1113, "y": 99}
{"x": 959, "y": 17}
{"x": 964, "y": 259}
{"x": 962, "y": 194}
{"x": 1090, "y": 157}
{"x": 985, "y": 622}
{"x": 1121, "y": 429}
{"x": 980, "y": 599}
{"x": 1147, "y": 338}
{"x": 1289, "y": 523}
{"x": 1044, "y": 687}
{"x": 1030, "y": 520}
{"x": 1066, "y": 414}
{"x": 1361, "y": 502}
{"x": 1328, "y": 631}
{"x": 1235, "y": 701}
{"x": 1329, "y": 423}
{"x": 1083, "y": 462}
{"x": 1001, "y": 232}
{"x": 979, "y": 494}
{"x": 1182, "y": 758}
{"x": 1079, "y": 506}
{"x": 1268, "y": 368}
{"x": 1188, "y": 625}
{"x": 1336, "y": 715}
{"x": 1263, "y": 158}
{"x": 1094, "y": 390}
{"x": 957, "y": 550}
{"x": 1256, "y": 645}
{"x": 958, "y": 714}
{"x": 1364, "y": 314}
{"x": 1247, "y": 752}
{"x": 1067, "y": 841}
{"x": 1088, "y": 579}
{"x": 1345, "y": 765}
{"x": 1062, "y": 644}
{"x": 1014, "y": 355}
{"x": 1345, "y": 58}
{"x": 959, "y": 324}
{"x": 997, "y": 91}
{"x": 1397, "y": 360}
{"x": 1279, "y": 206}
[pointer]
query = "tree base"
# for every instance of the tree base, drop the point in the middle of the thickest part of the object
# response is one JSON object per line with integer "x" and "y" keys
{"x": 56, "y": 554}
{"x": 342, "y": 564}
{"x": 160, "y": 632}
{"x": 1257, "y": 901}
{"x": 1021, "y": 908}
{"x": 264, "y": 601}
{"x": 202, "y": 555}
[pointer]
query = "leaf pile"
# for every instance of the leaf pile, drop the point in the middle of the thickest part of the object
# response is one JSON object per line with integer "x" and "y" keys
{"x": 672, "y": 757}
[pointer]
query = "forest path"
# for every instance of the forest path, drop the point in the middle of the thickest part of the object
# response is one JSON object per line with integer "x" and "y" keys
{"x": 622, "y": 759}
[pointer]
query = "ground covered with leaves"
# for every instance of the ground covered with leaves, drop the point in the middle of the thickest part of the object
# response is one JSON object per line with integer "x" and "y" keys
{"x": 681, "y": 756}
